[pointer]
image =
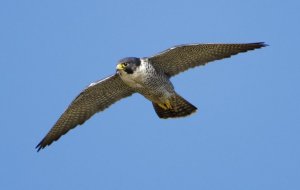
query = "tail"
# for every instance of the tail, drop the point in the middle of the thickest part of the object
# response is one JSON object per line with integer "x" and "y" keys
{"x": 179, "y": 107}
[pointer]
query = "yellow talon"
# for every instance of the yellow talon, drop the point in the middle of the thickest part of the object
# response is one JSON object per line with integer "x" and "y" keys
{"x": 167, "y": 105}
{"x": 163, "y": 106}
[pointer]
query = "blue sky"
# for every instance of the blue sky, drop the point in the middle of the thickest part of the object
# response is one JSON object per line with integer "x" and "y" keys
{"x": 245, "y": 134}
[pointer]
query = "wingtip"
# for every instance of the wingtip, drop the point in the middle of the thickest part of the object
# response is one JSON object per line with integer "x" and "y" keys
{"x": 261, "y": 44}
{"x": 40, "y": 146}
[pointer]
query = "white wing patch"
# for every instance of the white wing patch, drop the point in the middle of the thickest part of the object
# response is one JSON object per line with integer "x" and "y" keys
{"x": 97, "y": 82}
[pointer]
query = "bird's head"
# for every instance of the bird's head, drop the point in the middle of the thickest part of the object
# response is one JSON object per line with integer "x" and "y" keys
{"x": 128, "y": 65}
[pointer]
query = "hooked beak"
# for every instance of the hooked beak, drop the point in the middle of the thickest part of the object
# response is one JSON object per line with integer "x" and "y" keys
{"x": 120, "y": 67}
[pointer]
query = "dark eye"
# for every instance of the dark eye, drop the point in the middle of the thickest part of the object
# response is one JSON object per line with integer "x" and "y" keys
{"x": 125, "y": 64}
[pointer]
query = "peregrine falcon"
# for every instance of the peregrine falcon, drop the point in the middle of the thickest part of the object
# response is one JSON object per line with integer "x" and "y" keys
{"x": 148, "y": 76}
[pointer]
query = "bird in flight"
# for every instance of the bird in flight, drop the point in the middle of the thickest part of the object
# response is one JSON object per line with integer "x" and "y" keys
{"x": 149, "y": 76}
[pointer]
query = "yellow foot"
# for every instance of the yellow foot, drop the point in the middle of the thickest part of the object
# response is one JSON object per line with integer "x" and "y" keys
{"x": 167, "y": 105}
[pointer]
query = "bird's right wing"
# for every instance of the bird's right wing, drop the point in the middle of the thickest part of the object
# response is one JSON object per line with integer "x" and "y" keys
{"x": 181, "y": 58}
{"x": 96, "y": 97}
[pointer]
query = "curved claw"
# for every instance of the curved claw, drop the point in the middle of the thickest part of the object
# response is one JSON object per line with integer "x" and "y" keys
{"x": 166, "y": 106}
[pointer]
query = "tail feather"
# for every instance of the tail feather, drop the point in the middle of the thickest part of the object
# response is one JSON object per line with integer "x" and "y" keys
{"x": 180, "y": 108}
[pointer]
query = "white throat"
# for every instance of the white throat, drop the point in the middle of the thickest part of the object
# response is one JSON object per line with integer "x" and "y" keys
{"x": 137, "y": 78}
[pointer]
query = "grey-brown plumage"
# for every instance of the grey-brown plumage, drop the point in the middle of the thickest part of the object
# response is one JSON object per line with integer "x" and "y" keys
{"x": 148, "y": 76}
{"x": 180, "y": 108}
{"x": 95, "y": 98}
{"x": 180, "y": 58}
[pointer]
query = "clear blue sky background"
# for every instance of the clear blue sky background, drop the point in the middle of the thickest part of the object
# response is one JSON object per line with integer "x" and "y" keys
{"x": 244, "y": 136}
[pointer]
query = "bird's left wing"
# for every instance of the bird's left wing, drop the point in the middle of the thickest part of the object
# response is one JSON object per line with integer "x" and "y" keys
{"x": 181, "y": 58}
{"x": 96, "y": 97}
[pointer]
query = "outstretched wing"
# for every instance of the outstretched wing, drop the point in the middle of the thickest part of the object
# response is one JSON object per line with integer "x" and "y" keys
{"x": 180, "y": 58}
{"x": 96, "y": 97}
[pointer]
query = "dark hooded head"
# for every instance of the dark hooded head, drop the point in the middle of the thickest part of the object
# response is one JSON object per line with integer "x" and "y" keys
{"x": 128, "y": 64}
